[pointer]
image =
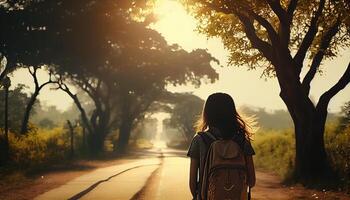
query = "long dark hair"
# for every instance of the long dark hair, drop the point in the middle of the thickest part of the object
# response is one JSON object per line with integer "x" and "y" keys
{"x": 219, "y": 111}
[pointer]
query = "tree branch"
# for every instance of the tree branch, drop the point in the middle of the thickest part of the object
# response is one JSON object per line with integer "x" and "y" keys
{"x": 3, "y": 73}
{"x": 91, "y": 91}
{"x": 309, "y": 37}
{"x": 285, "y": 21}
{"x": 33, "y": 73}
{"x": 278, "y": 10}
{"x": 291, "y": 8}
{"x": 266, "y": 24}
{"x": 329, "y": 94}
{"x": 316, "y": 62}
{"x": 237, "y": 10}
{"x": 30, "y": 104}
{"x": 264, "y": 47}
{"x": 243, "y": 10}
{"x": 83, "y": 114}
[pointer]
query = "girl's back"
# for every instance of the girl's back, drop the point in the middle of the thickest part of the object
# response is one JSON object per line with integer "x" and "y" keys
{"x": 219, "y": 121}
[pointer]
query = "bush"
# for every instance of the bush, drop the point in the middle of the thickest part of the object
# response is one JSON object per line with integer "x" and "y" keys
{"x": 338, "y": 149}
{"x": 38, "y": 147}
{"x": 43, "y": 146}
{"x": 275, "y": 151}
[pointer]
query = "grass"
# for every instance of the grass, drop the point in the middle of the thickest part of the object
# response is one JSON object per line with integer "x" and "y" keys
{"x": 275, "y": 151}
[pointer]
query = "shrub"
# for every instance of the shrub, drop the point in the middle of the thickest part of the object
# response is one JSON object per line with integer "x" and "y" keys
{"x": 275, "y": 151}
{"x": 42, "y": 146}
{"x": 338, "y": 149}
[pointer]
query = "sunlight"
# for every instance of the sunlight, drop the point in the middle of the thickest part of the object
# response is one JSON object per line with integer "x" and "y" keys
{"x": 158, "y": 142}
{"x": 171, "y": 16}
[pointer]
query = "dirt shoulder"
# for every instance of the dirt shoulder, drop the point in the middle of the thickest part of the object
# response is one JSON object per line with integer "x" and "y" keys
{"x": 17, "y": 186}
{"x": 269, "y": 186}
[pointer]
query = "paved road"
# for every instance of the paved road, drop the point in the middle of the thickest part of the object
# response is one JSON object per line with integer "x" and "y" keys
{"x": 157, "y": 175}
{"x": 122, "y": 182}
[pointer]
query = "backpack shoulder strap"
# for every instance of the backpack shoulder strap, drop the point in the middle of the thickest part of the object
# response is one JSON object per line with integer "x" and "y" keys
{"x": 207, "y": 138}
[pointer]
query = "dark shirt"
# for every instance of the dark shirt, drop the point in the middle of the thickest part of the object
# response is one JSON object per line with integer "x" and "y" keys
{"x": 198, "y": 150}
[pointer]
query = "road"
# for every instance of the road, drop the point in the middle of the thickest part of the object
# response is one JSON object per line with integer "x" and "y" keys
{"x": 159, "y": 175}
{"x": 126, "y": 181}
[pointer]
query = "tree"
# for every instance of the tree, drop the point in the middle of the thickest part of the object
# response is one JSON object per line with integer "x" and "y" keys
{"x": 281, "y": 37}
{"x": 38, "y": 87}
{"x": 6, "y": 83}
{"x": 52, "y": 33}
{"x": 143, "y": 79}
{"x": 187, "y": 109}
{"x": 101, "y": 49}
{"x": 17, "y": 103}
{"x": 12, "y": 104}
{"x": 98, "y": 124}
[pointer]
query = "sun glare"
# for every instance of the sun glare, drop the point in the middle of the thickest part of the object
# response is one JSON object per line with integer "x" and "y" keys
{"x": 166, "y": 7}
{"x": 158, "y": 142}
{"x": 176, "y": 25}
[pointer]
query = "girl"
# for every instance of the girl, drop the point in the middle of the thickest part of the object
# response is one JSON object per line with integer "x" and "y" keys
{"x": 220, "y": 119}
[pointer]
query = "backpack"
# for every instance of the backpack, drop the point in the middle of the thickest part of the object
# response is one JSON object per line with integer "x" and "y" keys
{"x": 225, "y": 175}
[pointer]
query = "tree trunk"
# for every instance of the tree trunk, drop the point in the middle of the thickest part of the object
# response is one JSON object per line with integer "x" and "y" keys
{"x": 25, "y": 121}
{"x": 71, "y": 137}
{"x": 99, "y": 121}
{"x": 124, "y": 136}
{"x": 5, "y": 150}
{"x": 4, "y": 72}
{"x": 95, "y": 143}
{"x": 311, "y": 163}
{"x": 83, "y": 114}
{"x": 97, "y": 138}
{"x": 84, "y": 139}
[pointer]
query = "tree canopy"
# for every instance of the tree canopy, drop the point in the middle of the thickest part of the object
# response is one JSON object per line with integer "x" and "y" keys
{"x": 186, "y": 111}
{"x": 253, "y": 30}
{"x": 107, "y": 51}
{"x": 282, "y": 37}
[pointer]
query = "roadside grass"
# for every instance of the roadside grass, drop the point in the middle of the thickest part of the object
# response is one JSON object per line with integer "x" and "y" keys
{"x": 275, "y": 151}
{"x": 44, "y": 151}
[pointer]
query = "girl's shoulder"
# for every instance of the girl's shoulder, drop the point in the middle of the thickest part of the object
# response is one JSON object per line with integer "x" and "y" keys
{"x": 196, "y": 139}
{"x": 200, "y": 138}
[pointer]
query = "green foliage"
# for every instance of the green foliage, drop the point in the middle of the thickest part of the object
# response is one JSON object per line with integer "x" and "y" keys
{"x": 279, "y": 119}
{"x": 46, "y": 123}
{"x": 187, "y": 109}
{"x": 276, "y": 120}
{"x": 17, "y": 103}
{"x": 99, "y": 47}
{"x": 275, "y": 151}
{"x": 344, "y": 121}
{"x": 338, "y": 149}
{"x": 50, "y": 116}
{"x": 42, "y": 146}
{"x": 38, "y": 147}
{"x": 231, "y": 20}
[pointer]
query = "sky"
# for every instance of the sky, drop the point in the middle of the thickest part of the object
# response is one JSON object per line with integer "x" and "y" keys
{"x": 245, "y": 86}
